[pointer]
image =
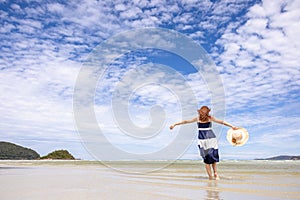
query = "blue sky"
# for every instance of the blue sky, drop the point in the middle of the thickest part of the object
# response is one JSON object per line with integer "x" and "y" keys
{"x": 254, "y": 45}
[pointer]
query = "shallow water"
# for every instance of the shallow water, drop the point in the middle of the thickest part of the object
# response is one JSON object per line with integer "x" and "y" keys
{"x": 180, "y": 180}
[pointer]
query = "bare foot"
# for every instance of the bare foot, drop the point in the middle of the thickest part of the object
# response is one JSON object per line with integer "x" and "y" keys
{"x": 216, "y": 176}
{"x": 210, "y": 178}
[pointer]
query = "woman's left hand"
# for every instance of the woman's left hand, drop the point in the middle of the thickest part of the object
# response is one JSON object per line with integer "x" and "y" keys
{"x": 172, "y": 126}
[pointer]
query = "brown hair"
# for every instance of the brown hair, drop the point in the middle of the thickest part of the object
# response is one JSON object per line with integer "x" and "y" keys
{"x": 204, "y": 113}
{"x": 233, "y": 140}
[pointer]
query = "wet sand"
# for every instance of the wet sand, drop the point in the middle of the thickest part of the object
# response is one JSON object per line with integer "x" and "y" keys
{"x": 37, "y": 180}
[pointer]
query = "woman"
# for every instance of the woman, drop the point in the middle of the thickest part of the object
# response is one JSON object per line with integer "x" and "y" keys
{"x": 207, "y": 141}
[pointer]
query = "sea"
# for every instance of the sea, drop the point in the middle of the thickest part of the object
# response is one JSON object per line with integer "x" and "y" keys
{"x": 181, "y": 179}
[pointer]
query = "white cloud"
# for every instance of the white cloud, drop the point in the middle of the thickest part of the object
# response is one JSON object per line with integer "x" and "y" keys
{"x": 259, "y": 65}
{"x": 256, "y": 51}
{"x": 131, "y": 13}
{"x": 15, "y": 7}
{"x": 56, "y": 8}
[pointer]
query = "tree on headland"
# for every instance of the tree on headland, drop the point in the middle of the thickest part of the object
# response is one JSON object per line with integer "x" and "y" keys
{"x": 10, "y": 151}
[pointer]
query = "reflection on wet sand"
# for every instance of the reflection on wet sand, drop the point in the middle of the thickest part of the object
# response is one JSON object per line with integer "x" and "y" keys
{"x": 212, "y": 191}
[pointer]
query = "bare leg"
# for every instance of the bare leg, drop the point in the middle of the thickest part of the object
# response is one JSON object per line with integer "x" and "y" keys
{"x": 208, "y": 170}
{"x": 214, "y": 166}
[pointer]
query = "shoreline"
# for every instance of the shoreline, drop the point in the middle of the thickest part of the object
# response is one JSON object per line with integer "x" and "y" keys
{"x": 78, "y": 179}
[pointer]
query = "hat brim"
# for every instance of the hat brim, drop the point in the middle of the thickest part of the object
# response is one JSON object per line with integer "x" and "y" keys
{"x": 244, "y": 139}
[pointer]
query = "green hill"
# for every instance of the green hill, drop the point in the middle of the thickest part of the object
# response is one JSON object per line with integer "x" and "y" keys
{"x": 59, "y": 155}
{"x": 10, "y": 151}
{"x": 282, "y": 157}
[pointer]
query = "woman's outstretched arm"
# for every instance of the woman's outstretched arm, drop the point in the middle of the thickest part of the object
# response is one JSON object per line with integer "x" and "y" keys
{"x": 223, "y": 122}
{"x": 183, "y": 122}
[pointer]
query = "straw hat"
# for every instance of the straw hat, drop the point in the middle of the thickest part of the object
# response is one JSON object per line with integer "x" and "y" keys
{"x": 237, "y": 137}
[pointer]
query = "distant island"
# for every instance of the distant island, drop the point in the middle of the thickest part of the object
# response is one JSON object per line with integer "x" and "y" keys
{"x": 283, "y": 157}
{"x": 10, "y": 151}
{"x": 59, "y": 155}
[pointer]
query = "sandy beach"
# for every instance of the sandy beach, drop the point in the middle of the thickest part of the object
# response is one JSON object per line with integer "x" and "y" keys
{"x": 37, "y": 180}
